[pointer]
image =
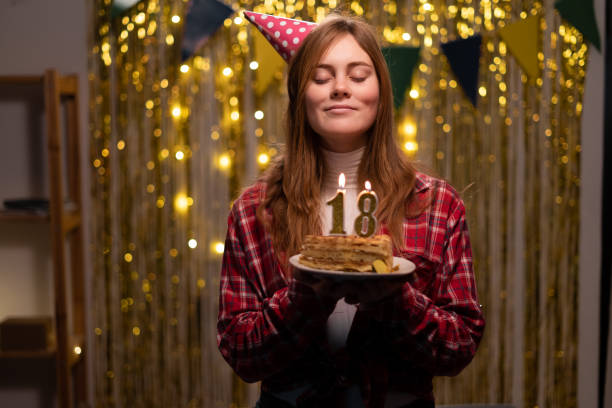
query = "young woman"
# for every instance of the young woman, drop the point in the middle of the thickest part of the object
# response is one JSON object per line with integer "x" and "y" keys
{"x": 323, "y": 343}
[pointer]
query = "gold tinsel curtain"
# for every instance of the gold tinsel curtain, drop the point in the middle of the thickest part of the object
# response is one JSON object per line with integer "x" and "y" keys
{"x": 173, "y": 144}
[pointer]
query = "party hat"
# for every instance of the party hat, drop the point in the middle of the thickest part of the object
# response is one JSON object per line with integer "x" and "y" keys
{"x": 285, "y": 34}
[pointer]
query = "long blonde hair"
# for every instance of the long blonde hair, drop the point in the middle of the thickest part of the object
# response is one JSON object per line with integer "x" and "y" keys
{"x": 290, "y": 209}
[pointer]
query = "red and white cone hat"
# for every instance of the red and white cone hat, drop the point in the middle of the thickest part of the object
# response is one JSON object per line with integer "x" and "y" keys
{"x": 285, "y": 34}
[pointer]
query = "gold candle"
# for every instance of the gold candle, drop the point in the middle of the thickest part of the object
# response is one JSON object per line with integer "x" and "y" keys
{"x": 337, "y": 204}
{"x": 367, "y": 201}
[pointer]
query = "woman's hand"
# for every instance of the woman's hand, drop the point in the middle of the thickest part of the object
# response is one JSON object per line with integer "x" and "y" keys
{"x": 325, "y": 289}
{"x": 354, "y": 292}
{"x": 367, "y": 292}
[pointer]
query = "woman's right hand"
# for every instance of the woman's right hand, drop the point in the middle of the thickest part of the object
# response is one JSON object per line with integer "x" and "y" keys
{"x": 327, "y": 290}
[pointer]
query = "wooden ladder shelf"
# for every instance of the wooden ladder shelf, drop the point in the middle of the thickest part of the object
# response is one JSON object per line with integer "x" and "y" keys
{"x": 66, "y": 232}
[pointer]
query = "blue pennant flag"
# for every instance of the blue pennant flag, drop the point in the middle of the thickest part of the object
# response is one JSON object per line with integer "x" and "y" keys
{"x": 464, "y": 59}
{"x": 202, "y": 20}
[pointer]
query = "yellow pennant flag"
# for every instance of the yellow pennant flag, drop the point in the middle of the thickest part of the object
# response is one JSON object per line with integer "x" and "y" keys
{"x": 523, "y": 40}
{"x": 270, "y": 62}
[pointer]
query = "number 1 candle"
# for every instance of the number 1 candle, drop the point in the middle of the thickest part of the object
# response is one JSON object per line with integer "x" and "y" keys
{"x": 337, "y": 204}
{"x": 367, "y": 201}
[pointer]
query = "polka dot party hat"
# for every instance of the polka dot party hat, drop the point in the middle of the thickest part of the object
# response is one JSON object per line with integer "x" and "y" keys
{"x": 285, "y": 34}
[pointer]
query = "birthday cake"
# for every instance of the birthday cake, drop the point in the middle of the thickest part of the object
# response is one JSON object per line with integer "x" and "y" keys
{"x": 348, "y": 253}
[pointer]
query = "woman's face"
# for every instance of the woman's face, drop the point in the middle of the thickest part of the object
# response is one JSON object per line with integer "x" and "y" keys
{"x": 342, "y": 95}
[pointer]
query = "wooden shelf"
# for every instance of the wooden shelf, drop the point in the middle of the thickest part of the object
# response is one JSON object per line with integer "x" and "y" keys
{"x": 24, "y": 216}
{"x": 65, "y": 227}
{"x": 67, "y": 85}
{"x": 22, "y": 79}
{"x": 44, "y": 354}
{"x": 34, "y": 354}
{"x": 70, "y": 220}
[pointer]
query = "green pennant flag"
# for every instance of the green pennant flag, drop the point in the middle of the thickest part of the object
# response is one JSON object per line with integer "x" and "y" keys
{"x": 401, "y": 62}
{"x": 581, "y": 14}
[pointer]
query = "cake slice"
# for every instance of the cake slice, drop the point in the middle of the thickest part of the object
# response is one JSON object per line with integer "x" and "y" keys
{"x": 346, "y": 253}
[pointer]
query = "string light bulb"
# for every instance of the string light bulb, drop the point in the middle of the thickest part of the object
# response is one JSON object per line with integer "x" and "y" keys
{"x": 181, "y": 204}
{"x": 411, "y": 146}
{"x": 176, "y": 111}
{"x": 140, "y": 18}
{"x": 218, "y": 247}
{"x": 224, "y": 161}
{"x": 409, "y": 128}
{"x": 263, "y": 159}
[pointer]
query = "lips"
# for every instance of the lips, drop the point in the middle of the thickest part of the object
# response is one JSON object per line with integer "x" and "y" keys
{"x": 339, "y": 108}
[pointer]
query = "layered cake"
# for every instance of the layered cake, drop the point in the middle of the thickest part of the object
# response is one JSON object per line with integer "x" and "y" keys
{"x": 348, "y": 253}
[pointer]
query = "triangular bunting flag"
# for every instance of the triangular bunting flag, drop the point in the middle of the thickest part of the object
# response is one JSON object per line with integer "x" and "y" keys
{"x": 270, "y": 62}
{"x": 464, "y": 59}
{"x": 401, "y": 62}
{"x": 581, "y": 14}
{"x": 522, "y": 39}
{"x": 202, "y": 20}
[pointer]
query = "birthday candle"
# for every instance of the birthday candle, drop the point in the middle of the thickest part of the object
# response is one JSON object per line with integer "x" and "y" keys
{"x": 337, "y": 204}
{"x": 367, "y": 201}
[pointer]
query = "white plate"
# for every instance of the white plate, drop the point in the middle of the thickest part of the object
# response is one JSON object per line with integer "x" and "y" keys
{"x": 405, "y": 268}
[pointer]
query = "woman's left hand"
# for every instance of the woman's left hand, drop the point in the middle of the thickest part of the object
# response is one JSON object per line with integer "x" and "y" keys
{"x": 368, "y": 292}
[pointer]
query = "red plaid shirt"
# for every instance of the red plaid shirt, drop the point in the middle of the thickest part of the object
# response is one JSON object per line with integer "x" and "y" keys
{"x": 273, "y": 329}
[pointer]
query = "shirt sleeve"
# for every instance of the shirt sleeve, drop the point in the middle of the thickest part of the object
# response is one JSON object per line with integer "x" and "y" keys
{"x": 262, "y": 326}
{"x": 439, "y": 333}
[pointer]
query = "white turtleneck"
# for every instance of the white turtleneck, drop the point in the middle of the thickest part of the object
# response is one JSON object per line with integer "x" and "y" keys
{"x": 339, "y": 322}
{"x": 336, "y": 163}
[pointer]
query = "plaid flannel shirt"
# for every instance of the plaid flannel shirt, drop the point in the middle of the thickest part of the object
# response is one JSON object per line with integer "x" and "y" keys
{"x": 273, "y": 329}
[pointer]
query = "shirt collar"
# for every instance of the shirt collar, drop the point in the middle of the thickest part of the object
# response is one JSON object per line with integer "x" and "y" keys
{"x": 421, "y": 182}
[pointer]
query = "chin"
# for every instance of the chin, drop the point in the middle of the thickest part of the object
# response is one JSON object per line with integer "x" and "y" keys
{"x": 341, "y": 139}
{"x": 343, "y": 131}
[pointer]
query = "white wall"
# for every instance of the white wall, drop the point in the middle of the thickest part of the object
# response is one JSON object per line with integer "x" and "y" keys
{"x": 34, "y": 35}
{"x": 590, "y": 221}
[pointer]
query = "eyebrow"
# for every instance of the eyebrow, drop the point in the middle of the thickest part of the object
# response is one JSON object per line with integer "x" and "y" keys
{"x": 350, "y": 65}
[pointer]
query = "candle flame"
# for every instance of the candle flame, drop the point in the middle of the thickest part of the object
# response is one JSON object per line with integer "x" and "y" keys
{"x": 341, "y": 180}
{"x": 368, "y": 186}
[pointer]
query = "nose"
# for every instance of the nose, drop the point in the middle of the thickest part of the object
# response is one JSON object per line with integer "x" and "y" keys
{"x": 341, "y": 89}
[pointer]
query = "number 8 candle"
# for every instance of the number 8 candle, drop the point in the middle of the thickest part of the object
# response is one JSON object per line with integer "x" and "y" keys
{"x": 367, "y": 201}
{"x": 337, "y": 204}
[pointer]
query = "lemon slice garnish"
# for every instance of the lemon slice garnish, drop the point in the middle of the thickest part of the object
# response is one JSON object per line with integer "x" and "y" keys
{"x": 380, "y": 266}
